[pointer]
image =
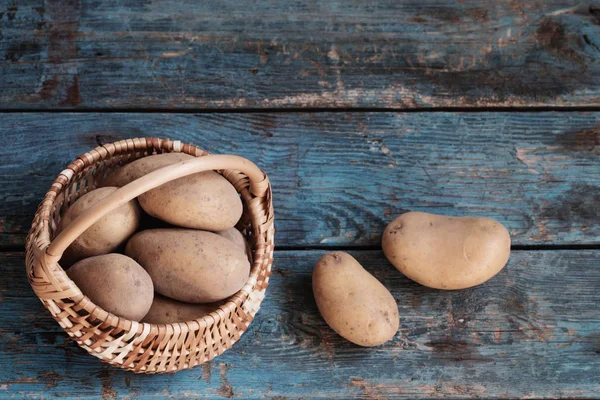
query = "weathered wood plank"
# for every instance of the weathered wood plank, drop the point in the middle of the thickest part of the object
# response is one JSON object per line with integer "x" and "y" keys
{"x": 339, "y": 178}
{"x": 232, "y": 54}
{"x": 533, "y": 330}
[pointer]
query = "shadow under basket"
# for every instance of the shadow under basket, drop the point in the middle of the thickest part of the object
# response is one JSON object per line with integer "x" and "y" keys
{"x": 131, "y": 345}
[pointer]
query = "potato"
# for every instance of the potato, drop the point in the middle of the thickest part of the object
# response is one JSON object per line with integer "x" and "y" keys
{"x": 140, "y": 167}
{"x": 446, "y": 252}
{"x": 168, "y": 311}
{"x": 238, "y": 239}
{"x": 205, "y": 200}
{"x": 116, "y": 283}
{"x": 202, "y": 201}
{"x": 352, "y": 302}
{"x": 189, "y": 265}
{"x": 104, "y": 236}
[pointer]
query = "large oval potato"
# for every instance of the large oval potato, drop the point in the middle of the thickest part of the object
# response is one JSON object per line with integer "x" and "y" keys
{"x": 202, "y": 201}
{"x": 205, "y": 200}
{"x": 116, "y": 283}
{"x": 104, "y": 236}
{"x": 140, "y": 167}
{"x": 168, "y": 311}
{"x": 352, "y": 302}
{"x": 446, "y": 252}
{"x": 189, "y": 265}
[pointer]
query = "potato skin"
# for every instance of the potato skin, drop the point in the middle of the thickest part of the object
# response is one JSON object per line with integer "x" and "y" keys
{"x": 238, "y": 239}
{"x": 168, "y": 311}
{"x": 107, "y": 234}
{"x": 189, "y": 265}
{"x": 140, "y": 167}
{"x": 116, "y": 283}
{"x": 205, "y": 200}
{"x": 352, "y": 302}
{"x": 446, "y": 252}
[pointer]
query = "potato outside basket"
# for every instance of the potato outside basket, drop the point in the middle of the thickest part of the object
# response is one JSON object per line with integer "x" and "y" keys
{"x": 131, "y": 345}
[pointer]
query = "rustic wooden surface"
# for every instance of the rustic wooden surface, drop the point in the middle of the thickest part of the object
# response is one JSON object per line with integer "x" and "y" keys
{"x": 358, "y": 111}
{"x": 533, "y": 330}
{"x": 339, "y": 178}
{"x": 245, "y": 54}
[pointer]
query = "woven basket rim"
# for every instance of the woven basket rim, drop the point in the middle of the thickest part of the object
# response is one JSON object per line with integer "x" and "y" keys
{"x": 39, "y": 238}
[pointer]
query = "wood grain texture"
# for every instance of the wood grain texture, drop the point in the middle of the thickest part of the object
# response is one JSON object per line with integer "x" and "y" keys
{"x": 232, "y": 54}
{"x": 340, "y": 178}
{"x": 532, "y": 331}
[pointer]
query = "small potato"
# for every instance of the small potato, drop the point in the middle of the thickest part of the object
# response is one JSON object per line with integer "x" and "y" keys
{"x": 116, "y": 283}
{"x": 168, "y": 311}
{"x": 352, "y": 302}
{"x": 238, "y": 239}
{"x": 107, "y": 234}
{"x": 189, "y": 265}
{"x": 446, "y": 252}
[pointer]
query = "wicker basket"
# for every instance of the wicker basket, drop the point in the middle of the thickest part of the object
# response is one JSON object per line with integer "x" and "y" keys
{"x": 142, "y": 347}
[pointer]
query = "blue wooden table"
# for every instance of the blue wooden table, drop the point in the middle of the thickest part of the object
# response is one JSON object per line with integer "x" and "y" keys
{"x": 358, "y": 111}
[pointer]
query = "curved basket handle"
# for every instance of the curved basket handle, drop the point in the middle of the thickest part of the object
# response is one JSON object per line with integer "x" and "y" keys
{"x": 258, "y": 184}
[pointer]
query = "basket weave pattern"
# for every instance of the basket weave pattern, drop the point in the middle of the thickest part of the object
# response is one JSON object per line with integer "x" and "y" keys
{"x": 143, "y": 347}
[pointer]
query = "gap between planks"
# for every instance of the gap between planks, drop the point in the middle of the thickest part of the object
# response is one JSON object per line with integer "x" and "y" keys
{"x": 151, "y": 110}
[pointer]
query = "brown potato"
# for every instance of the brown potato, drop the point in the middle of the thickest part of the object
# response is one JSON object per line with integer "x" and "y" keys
{"x": 238, "y": 239}
{"x": 202, "y": 201}
{"x": 116, "y": 283}
{"x": 352, "y": 302}
{"x": 205, "y": 200}
{"x": 140, "y": 167}
{"x": 168, "y": 311}
{"x": 446, "y": 252}
{"x": 189, "y": 265}
{"x": 107, "y": 234}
